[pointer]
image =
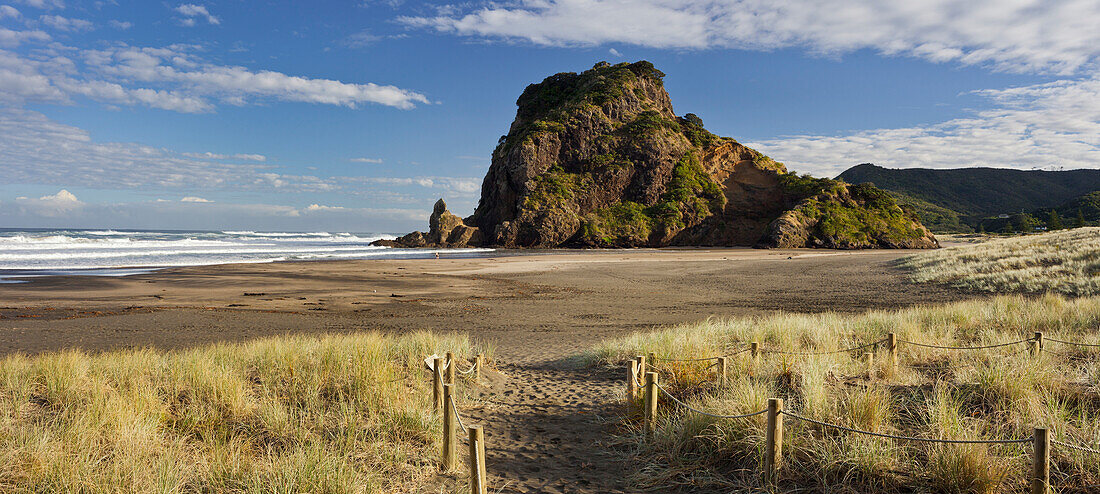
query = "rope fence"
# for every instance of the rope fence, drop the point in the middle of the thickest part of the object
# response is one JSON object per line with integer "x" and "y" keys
{"x": 1083, "y": 449}
{"x": 650, "y": 391}
{"x": 908, "y": 438}
{"x": 444, "y": 370}
{"x": 1074, "y": 343}
{"x": 982, "y": 347}
{"x": 708, "y": 414}
{"x": 828, "y": 352}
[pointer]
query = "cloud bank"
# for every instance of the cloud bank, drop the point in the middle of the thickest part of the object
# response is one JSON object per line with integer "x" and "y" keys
{"x": 1046, "y": 125}
{"x": 171, "y": 78}
{"x": 1027, "y": 35}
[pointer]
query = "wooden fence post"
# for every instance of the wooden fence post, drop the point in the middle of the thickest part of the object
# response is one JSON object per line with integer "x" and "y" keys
{"x": 642, "y": 370}
{"x": 650, "y": 403}
{"x": 1037, "y": 344}
{"x": 1040, "y": 462}
{"x": 437, "y": 382}
{"x": 773, "y": 453}
{"x": 892, "y": 347}
{"x": 755, "y": 346}
{"x": 477, "y": 461}
{"x": 723, "y": 368}
{"x": 478, "y": 360}
{"x": 450, "y": 429}
{"x": 450, "y": 368}
{"x": 869, "y": 358}
{"x": 632, "y": 382}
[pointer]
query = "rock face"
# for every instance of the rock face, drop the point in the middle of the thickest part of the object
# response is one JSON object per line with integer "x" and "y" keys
{"x": 445, "y": 230}
{"x": 599, "y": 159}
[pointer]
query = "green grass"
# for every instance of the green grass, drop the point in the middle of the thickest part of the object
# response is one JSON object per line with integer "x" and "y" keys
{"x": 1065, "y": 262}
{"x": 333, "y": 414}
{"x": 993, "y": 394}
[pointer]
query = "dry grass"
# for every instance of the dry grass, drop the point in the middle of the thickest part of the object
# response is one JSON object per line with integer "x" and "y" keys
{"x": 333, "y": 414}
{"x": 1065, "y": 262}
{"x": 1000, "y": 393}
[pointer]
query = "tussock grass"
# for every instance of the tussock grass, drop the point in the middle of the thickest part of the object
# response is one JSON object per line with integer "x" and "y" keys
{"x": 1066, "y": 262}
{"x": 1000, "y": 393}
{"x": 332, "y": 414}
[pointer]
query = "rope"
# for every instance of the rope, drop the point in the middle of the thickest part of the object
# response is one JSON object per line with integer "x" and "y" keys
{"x": 457, "y": 416}
{"x": 964, "y": 347}
{"x": 696, "y": 410}
{"x": 1082, "y": 449}
{"x": 873, "y": 343}
{"x": 1069, "y": 342}
{"x": 467, "y": 371}
{"x": 663, "y": 359}
{"x": 1079, "y": 358}
{"x": 908, "y": 438}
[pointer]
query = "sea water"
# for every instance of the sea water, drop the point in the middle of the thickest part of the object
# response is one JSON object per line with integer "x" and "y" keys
{"x": 39, "y": 252}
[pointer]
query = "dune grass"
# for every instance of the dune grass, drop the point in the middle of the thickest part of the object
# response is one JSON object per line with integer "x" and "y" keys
{"x": 332, "y": 414}
{"x": 1066, "y": 262}
{"x": 1000, "y": 393}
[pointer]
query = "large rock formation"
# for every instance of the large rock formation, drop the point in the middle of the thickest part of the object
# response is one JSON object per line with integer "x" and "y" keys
{"x": 599, "y": 159}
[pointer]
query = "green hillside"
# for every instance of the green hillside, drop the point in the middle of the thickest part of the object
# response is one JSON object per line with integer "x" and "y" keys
{"x": 963, "y": 199}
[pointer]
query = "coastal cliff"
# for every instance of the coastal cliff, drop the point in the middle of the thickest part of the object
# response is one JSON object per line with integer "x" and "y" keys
{"x": 599, "y": 159}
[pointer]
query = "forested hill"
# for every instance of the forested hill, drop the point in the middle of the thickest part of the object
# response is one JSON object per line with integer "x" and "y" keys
{"x": 958, "y": 199}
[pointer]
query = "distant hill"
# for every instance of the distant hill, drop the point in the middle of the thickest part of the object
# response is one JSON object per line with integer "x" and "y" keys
{"x": 959, "y": 199}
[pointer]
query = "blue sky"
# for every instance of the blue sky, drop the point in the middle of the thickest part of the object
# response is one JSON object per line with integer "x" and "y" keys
{"x": 356, "y": 116}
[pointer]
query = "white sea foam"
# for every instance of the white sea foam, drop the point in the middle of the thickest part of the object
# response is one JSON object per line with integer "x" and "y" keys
{"x": 53, "y": 251}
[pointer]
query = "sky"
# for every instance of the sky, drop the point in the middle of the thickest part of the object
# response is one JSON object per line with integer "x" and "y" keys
{"x": 358, "y": 115}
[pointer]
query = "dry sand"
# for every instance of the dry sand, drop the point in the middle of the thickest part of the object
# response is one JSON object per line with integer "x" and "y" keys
{"x": 546, "y": 418}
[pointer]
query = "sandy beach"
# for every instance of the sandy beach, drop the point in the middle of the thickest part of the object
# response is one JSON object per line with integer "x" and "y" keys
{"x": 561, "y": 300}
{"x": 548, "y": 419}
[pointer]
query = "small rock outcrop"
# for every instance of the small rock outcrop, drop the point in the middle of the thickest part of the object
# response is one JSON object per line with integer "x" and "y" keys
{"x": 599, "y": 159}
{"x": 444, "y": 230}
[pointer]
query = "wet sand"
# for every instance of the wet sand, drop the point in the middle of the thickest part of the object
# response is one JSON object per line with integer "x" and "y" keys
{"x": 547, "y": 421}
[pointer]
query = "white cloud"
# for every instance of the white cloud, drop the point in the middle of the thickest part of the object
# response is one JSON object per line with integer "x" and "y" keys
{"x": 171, "y": 78}
{"x": 8, "y": 11}
{"x": 160, "y": 213}
{"x": 1026, "y": 35}
{"x": 318, "y": 207}
{"x": 43, "y": 4}
{"x": 615, "y": 52}
{"x": 66, "y": 23}
{"x": 14, "y": 38}
{"x": 62, "y": 196}
{"x": 123, "y": 25}
{"x": 37, "y": 150}
{"x": 60, "y": 204}
{"x": 216, "y": 156}
{"x": 191, "y": 12}
{"x": 361, "y": 39}
{"x": 1040, "y": 126}
{"x": 376, "y": 161}
{"x": 194, "y": 199}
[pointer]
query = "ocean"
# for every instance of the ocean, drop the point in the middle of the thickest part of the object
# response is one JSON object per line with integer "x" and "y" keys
{"x": 43, "y": 252}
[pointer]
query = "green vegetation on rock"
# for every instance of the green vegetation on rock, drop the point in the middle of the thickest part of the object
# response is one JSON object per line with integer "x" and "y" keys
{"x": 549, "y": 105}
{"x": 690, "y": 196}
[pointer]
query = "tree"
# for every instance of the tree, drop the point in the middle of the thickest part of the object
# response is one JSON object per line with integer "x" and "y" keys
{"x": 1055, "y": 221}
{"x": 693, "y": 119}
{"x": 1023, "y": 222}
{"x": 1080, "y": 219}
